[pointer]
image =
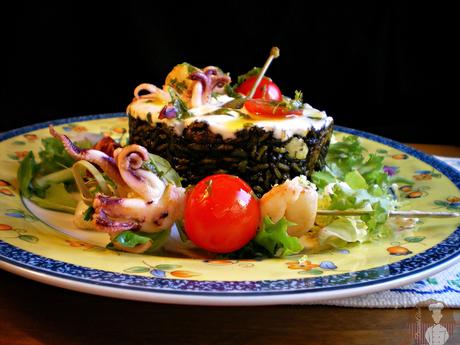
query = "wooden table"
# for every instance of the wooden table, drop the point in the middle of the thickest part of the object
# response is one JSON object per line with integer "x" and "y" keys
{"x": 34, "y": 313}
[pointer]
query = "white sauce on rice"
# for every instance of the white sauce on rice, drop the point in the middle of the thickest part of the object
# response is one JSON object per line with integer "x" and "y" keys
{"x": 228, "y": 124}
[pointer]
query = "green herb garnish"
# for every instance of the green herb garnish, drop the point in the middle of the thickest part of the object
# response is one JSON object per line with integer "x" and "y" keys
{"x": 161, "y": 167}
{"x": 179, "y": 105}
{"x": 88, "y": 213}
{"x": 252, "y": 73}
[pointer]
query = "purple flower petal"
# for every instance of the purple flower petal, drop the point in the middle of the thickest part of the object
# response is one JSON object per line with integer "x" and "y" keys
{"x": 390, "y": 170}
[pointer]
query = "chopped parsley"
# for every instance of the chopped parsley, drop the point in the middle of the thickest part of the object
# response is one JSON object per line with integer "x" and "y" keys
{"x": 291, "y": 104}
{"x": 179, "y": 105}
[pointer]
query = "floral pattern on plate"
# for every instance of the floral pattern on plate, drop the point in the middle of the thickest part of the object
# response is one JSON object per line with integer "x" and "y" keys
{"x": 47, "y": 240}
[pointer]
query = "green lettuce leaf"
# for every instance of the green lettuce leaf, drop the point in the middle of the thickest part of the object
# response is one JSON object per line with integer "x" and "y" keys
{"x": 355, "y": 180}
{"x": 376, "y": 221}
{"x": 56, "y": 198}
{"x": 345, "y": 198}
{"x": 324, "y": 177}
{"x": 346, "y": 161}
{"x": 53, "y": 156}
{"x": 343, "y": 230}
{"x": 373, "y": 199}
{"x": 131, "y": 239}
{"x": 161, "y": 167}
{"x": 345, "y": 156}
{"x": 32, "y": 184}
{"x": 27, "y": 170}
{"x": 34, "y": 178}
{"x": 275, "y": 238}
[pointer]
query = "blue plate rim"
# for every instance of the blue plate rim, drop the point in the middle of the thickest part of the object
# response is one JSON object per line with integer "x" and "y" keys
{"x": 442, "y": 253}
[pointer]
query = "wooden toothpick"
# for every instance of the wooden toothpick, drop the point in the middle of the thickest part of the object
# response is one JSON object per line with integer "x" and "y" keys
{"x": 406, "y": 214}
{"x": 238, "y": 103}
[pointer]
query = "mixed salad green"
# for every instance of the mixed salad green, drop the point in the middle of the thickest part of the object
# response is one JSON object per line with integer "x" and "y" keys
{"x": 351, "y": 180}
{"x": 48, "y": 183}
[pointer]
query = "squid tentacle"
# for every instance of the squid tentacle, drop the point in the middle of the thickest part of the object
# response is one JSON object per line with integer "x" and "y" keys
{"x": 106, "y": 224}
{"x": 205, "y": 83}
{"x": 136, "y": 213}
{"x": 153, "y": 92}
{"x": 127, "y": 208}
{"x": 143, "y": 200}
{"x": 145, "y": 183}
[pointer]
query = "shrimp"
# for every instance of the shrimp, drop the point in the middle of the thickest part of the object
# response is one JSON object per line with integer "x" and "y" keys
{"x": 295, "y": 199}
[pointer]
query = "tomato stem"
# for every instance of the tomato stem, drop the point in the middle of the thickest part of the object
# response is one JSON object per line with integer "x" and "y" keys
{"x": 274, "y": 53}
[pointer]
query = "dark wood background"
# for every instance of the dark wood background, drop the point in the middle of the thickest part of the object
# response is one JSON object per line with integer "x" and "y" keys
{"x": 383, "y": 67}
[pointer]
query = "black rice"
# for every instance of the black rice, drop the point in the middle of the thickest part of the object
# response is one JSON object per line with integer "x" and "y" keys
{"x": 254, "y": 154}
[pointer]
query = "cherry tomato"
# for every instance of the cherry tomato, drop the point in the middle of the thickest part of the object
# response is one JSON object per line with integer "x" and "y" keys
{"x": 221, "y": 214}
{"x": 270, "y": 109}
{"x": 267, "y": 89}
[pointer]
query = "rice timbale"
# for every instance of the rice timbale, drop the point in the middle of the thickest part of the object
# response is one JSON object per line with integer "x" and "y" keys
{"x": 190, "y": 123}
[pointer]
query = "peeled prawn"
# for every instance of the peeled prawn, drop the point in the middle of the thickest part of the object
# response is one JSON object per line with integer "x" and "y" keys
{"x": 295, "y": 199}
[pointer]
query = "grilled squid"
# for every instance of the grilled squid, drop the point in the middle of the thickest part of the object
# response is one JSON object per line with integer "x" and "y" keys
{"x": 113, "y": 214}
{"x": 205, "y": 82}
{"x": 192, "y": 85}
{"x": 99, "y": 158}
{"x": 143, "y": 182}
{"x": 151, "y": 92}
{"x": 145, "y": 202}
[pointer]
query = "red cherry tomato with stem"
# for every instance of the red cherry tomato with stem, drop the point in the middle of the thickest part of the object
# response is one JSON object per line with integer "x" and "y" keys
{"x": 270, "y": 109}
{"x": 221, "y": 214}
{"x": 267, "y": 89}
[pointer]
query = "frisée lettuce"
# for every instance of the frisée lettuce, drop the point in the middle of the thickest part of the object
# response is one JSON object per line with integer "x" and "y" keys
{"x": 354, "y": 181}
